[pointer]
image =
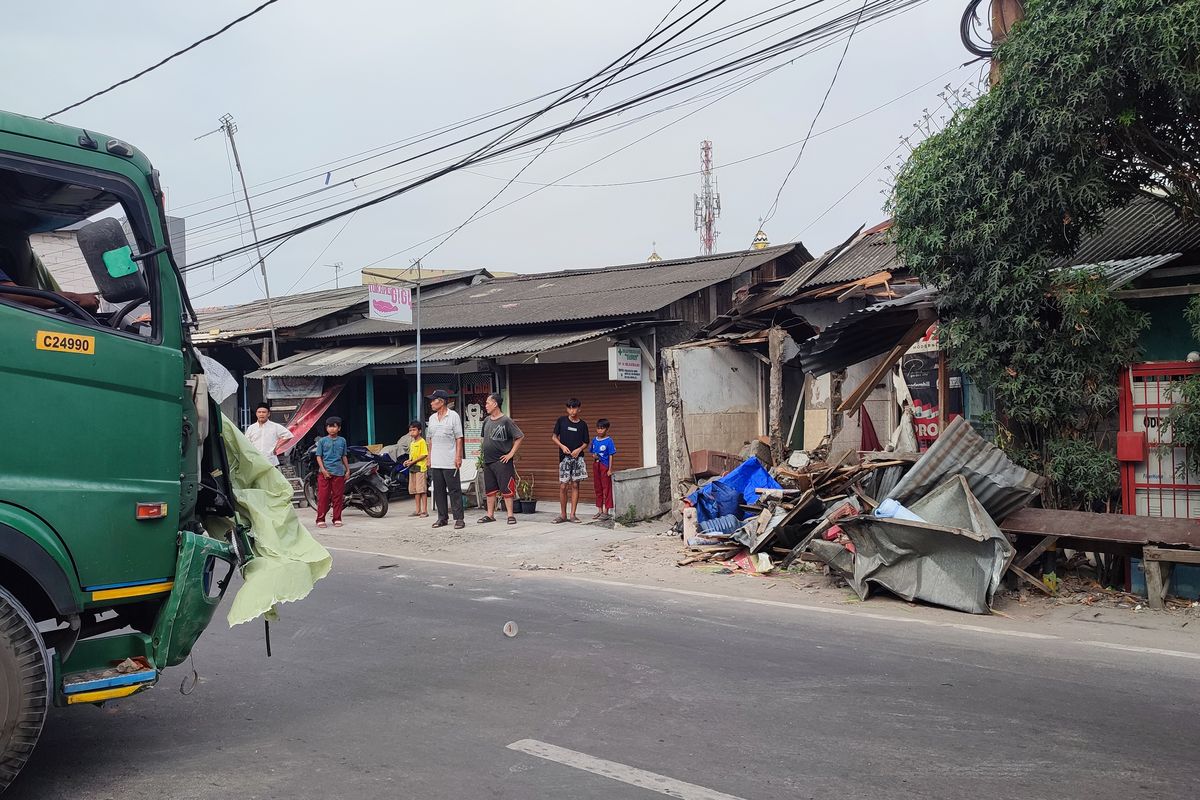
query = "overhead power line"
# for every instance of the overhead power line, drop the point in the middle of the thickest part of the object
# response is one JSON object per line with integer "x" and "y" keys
{"x": 375, "y": 152}
{"x": 169, "y": 58}
{"x": 877, "y": 9}
{"x": 804, "y": 144}
{"x": 829, "y": 30}
{"x": 591, "y": 99}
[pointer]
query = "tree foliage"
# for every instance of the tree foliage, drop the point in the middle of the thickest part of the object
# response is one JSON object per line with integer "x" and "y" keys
{"x": 1098, "y": 102}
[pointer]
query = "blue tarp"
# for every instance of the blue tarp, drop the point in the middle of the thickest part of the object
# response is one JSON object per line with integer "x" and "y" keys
{"x": 721, "y": 496}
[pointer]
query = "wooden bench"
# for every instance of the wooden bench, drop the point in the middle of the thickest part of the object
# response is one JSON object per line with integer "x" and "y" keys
{"x": 1116, "y": 534}
{"x": 1159, "y": 563}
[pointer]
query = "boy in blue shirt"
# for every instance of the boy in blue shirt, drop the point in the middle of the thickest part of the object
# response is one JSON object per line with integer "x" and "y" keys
{"x": 602, "y": 449}
{"x": 333, "y": 466}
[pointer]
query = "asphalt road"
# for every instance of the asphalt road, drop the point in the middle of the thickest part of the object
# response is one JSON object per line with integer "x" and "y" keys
{"x": 399, "y": 683}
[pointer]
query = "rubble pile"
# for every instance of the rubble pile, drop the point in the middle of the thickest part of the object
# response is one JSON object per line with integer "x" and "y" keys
{"x": 919, "y": 526}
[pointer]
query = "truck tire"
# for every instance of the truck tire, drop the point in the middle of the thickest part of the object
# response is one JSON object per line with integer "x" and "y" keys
{"x": 24, "y": 686}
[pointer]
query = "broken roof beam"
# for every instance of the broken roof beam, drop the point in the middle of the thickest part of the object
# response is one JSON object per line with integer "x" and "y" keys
{"x": 856, "y": 398}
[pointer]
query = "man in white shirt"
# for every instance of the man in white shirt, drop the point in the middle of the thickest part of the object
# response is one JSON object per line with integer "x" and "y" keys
{"x": 266, "y": 435}
{"x": 445, "y": 435}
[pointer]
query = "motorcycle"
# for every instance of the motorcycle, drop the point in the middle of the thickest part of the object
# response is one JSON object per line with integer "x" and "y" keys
{"x": 393, "y": 472}
{"x": 365, "y": 488}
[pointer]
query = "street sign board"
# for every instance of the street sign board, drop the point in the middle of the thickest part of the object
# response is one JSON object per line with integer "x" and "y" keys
{"x": 624, "y": 364}
{"x": 390, "y": 303}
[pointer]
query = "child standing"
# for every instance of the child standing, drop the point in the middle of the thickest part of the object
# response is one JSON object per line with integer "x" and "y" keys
{"x": 333, "y": 465}
{"x": 602, "y": 449}
{"x": 418, "y": 462}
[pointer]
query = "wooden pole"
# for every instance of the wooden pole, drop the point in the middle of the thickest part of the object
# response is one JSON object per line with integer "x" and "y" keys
{"x": 775, "y": 400}
{"x": 679, "y": 461}
{"x": 1005, "y": 13}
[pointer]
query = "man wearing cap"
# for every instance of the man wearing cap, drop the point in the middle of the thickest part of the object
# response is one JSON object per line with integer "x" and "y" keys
{"x": 445, "y": 435}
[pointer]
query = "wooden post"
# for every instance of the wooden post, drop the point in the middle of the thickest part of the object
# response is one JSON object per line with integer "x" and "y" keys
{"x": 1004, "y": 14}
{"x": 679, "y": 461}
{"x": 775, "y": 400}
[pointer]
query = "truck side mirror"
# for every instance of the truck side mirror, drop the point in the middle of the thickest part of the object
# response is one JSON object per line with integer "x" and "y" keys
{"x": 117, "y": 274}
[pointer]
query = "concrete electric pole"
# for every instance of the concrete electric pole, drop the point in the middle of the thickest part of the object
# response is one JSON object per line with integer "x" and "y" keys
{"x": 230, "y": 128}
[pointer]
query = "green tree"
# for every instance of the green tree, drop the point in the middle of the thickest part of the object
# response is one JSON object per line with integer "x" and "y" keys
{"x": 1098, "y": 102}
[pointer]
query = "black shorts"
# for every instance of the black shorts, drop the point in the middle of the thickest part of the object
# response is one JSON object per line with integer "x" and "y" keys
{"x": 500, "y": 478}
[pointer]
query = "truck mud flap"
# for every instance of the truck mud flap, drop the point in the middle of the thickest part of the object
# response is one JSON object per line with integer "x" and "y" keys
{"x": 202, "y": 575}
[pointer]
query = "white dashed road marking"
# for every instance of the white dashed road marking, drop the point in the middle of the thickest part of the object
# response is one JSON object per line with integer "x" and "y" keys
{"x": 619, "y": 772}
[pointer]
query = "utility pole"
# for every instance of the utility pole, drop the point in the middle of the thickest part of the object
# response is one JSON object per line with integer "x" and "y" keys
{"x": 230, "y": 128}
{"x": 337, "y": 274}
{"x": 417, "y": 320}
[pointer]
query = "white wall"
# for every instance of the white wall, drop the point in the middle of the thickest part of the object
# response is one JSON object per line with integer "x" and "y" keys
{"x": 721, "y": 393}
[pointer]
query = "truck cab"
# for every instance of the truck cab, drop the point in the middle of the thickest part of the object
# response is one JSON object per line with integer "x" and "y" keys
{"x": 112, "y": 470}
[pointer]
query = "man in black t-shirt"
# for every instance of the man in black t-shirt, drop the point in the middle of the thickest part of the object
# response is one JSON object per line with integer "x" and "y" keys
{"x": 501, "y": 440}
{"x": 572, "y": 437}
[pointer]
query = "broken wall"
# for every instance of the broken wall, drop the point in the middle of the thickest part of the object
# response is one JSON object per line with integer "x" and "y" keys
{"x": 721, "y": 392}
{"x": 825, "y": 392}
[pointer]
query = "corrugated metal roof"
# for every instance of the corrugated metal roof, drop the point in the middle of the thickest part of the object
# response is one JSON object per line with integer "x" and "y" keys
{"x": 564, "y": 296}
{"x": 876, "y": 329}
{"x": 1124, "y": 271}
{"x": 871, "y": 253}
{"x": 571, "y": 295}
{"x": 297, "y": 310}
{"x": 862, "y": 255}
{"x": 336, "y": 361}
{"x": 1143, "y": 226}
{"x": 863, "y": 334}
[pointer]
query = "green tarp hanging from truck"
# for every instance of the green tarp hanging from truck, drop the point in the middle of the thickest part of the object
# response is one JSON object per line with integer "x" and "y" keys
{"x": 287, "y": 561}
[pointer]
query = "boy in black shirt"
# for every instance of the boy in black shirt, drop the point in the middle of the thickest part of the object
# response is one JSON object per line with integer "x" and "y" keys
{"x": 571, "y": 436}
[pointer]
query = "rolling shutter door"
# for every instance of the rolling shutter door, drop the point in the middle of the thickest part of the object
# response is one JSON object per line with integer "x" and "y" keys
{"x": 537, "y": 396}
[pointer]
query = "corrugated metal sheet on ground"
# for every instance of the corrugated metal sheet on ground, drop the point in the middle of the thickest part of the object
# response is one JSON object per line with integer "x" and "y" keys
{"x": 955, "y": 557}
{"x": 337, "y": 361}
{"x": 999, "y": 484}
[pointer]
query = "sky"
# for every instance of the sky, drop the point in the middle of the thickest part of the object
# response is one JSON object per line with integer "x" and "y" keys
{"x": 313, "y": 83}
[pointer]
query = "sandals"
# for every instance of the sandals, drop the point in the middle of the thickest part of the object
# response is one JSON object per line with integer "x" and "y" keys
{"x": 321, "y": 524}
{"x": 557, "y": 520}
{"x": 512, "y": 520}
{"x": 486, "y": 518}
{"x": 441, "y": 523}
{"x": 576, "y": 520}
{"x": 459, "y": 524}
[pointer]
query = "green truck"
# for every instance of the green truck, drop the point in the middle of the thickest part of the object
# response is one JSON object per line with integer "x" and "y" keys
{"x": 112, "y": 469}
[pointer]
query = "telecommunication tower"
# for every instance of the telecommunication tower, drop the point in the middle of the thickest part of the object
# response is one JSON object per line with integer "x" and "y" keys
{"x": 708, "y": 203}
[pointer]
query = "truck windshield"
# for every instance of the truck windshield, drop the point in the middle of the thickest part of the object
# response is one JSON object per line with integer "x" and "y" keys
{"x": 40, "y": 218}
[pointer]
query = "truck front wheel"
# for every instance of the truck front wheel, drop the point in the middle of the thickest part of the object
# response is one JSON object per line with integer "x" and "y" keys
{"x": 24, "y": 686}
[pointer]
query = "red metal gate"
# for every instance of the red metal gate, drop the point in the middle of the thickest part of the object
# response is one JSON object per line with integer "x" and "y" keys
{"x": 1155, "y": 479}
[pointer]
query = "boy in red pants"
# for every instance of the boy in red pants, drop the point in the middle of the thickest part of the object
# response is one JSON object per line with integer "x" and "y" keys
{"x": 333, "y": 466}
{"x": 602, "y": 449}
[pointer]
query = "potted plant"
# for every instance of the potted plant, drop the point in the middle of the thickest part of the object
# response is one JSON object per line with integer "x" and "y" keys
{"x": 525, "y": 503}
